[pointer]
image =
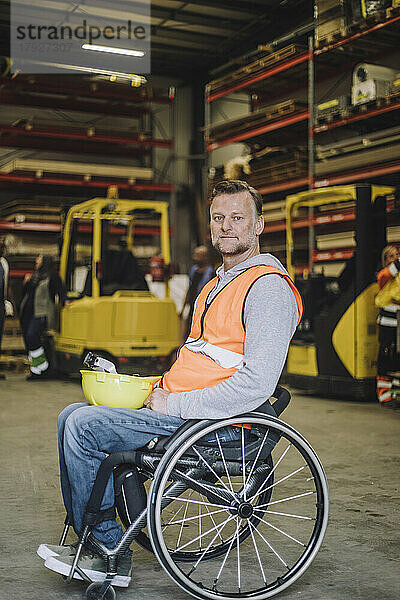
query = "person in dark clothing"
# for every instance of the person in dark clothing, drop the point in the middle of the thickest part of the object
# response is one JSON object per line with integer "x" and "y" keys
{"x": 201, "y": 272}
{"x": 6, "y": 307}
{"x": 121, "y": 271}
{"x": 38, "y": 311}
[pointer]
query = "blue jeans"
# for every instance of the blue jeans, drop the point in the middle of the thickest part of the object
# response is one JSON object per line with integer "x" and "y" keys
{"x": 33, "y": 331}
{"x": 85, "y": 435}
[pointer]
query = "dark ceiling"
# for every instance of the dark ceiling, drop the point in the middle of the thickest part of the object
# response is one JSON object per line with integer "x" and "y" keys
{"x": 196, "y": 36}
{"x": 191, "y": 38}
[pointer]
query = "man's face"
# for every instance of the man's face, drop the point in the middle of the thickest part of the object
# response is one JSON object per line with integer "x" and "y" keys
{"x": 235, "y": 226}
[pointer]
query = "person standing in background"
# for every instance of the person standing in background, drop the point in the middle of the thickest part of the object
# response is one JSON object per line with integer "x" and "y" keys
{"x": 6, "y": 307}
{"x": 200, "y": 274}
{"x": 38, "y": 311}
{"x": 388, "y": 360}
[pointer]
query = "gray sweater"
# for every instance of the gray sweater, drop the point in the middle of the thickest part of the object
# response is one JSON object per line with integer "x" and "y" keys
{"x": 270, "y": 317}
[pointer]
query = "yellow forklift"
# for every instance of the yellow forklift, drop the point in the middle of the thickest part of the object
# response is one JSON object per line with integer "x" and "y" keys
{"x": 110, "y": 310}
{"x": 335, "y": 348}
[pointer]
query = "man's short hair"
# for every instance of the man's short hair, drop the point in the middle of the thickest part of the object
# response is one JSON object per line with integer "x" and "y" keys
{"x": 234, "y": 186}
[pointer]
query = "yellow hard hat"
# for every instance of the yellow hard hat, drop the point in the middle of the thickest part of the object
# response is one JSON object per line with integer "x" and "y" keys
{"x": 118, "y": 391}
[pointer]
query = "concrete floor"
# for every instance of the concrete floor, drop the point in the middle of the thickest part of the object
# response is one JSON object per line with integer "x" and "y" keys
{"x": 358, "y": 444}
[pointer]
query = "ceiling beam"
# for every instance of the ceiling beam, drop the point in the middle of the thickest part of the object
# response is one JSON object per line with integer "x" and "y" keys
{"x": 171, "y": 34}
{"x": 191, "y": 18}
{"x": 246, "y": 6}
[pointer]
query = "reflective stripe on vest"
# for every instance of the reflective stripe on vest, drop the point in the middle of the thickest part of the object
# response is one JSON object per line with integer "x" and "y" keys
{"x": 215, "y": 349}
{"x": 224, "y": 358}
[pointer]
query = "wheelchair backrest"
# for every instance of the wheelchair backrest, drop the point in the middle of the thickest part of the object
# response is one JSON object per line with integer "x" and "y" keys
{"x": 282, "y": 396}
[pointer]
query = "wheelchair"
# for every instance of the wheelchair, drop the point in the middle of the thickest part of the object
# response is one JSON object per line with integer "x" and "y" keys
{"x": 242, "y": 518}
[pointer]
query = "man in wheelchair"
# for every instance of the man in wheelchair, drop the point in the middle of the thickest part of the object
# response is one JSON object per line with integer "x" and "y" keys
{"x": 229, "y": 365}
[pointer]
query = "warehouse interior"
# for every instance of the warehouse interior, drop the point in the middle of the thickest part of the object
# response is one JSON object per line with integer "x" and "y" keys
{"x": 106, "y": 170}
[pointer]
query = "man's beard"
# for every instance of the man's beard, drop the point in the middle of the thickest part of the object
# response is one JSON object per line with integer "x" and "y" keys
{"x": 239, "y": 248}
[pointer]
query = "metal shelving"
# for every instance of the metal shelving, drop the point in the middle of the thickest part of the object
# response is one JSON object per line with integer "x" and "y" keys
{"x": 377, "y": 170}
{"x": 56, "y": 228}
{"x": 251, "y": 81}
{"x": 371, "y": 39}
{"x": 358, "y": 35}
{"x": 278, "y": 124}
{"x": 7, "y": 179}
{"x": 90, "y": 135}
{"x": 373, "y": 112}
{"x": 102, "y": 98}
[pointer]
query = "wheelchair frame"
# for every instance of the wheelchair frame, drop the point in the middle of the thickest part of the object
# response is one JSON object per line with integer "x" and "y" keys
{"x": 185, "y": 464}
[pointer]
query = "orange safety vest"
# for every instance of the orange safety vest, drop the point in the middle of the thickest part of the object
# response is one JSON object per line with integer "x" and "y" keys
{"x": 214, "y": 349}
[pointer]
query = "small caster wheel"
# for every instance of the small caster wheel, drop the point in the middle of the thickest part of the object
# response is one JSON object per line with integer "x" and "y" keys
{"x": 93, "y": 592}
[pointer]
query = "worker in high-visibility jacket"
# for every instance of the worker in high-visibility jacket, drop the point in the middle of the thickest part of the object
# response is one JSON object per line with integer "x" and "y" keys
{"x": 243, "y": 319}
{"x": 388, "y": 357}
{"x": 231, "y": 362}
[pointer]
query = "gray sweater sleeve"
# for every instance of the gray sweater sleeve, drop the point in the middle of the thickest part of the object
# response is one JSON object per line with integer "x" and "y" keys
{"x": 270, "y": 318}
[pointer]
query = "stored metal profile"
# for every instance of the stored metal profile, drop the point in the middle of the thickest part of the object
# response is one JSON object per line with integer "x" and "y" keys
{"x": 277, "y": 62}
{"x": 359, "y": 175}
{"x": 123, "y": 185}
{"x": 285, "y": 122}
{"x": 363, "y": 115}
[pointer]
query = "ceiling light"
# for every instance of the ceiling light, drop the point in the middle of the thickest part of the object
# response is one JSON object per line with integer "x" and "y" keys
{"x": 137, "y": 79}
{"x": 112, "y": 50}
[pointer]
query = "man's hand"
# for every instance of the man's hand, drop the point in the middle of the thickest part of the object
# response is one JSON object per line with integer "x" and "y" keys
{"x": 157, "y": 401}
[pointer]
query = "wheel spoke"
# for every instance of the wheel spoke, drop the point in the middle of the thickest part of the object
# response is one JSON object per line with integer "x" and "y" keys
{"x": 243, "y": 467}
{"x": 220, "y": 525}
{"x": 258, "y": 556}
{"x": 270, "y": 473}
{"x": 214, "y": 473}
{"x": 198, "y": 484}
{"x": 199, "y": 517}
{"x": 181, "y": 527}
{"x": 223, "y": 562}
{"x": 238, "y": 554}
{"x": 273, "y": 512}
{"x": 280, "y": 480}
{"x": 223, "y": 460}
{"x": 194, "y": 501}
{"x": 286, "y": 499}
{"x": 212, "y": 519}
{"x": 185, "y": 520}
{"x": 269, "y": 545}
{"x": 258, "y": 454}
{"x": 176, "y": 513}
{"x": 280, "y": 531}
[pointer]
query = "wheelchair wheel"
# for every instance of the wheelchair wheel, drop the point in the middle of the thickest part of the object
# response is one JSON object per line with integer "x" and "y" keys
{"x": 94, "y": 589}
{"x": 252, "y": 517}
